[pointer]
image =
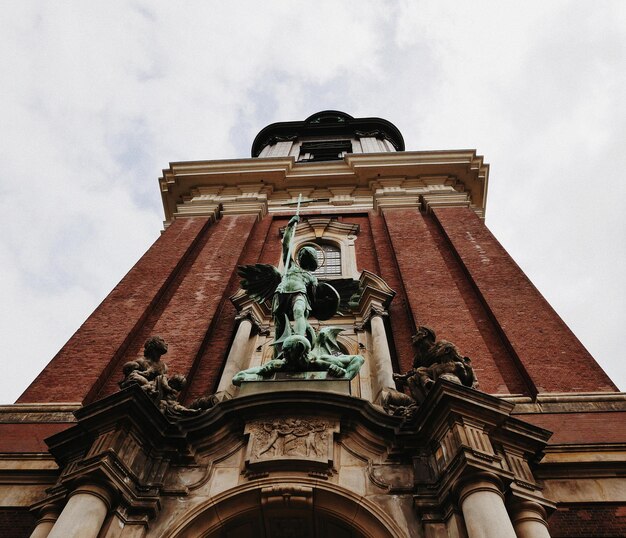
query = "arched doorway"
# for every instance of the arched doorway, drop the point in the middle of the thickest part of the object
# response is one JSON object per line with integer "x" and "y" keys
{"x": 287, "y": 510}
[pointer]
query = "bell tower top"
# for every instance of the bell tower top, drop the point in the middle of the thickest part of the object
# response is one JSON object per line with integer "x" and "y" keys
{"x": 327, "y": 136}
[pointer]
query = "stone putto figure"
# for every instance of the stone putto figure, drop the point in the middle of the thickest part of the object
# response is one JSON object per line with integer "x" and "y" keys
{"x": 433, "y": 359}
{"x": 150, "y": 373}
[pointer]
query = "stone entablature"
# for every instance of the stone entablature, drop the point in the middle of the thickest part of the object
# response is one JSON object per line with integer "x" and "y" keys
{"x": 259, "y": 186}
{"x": 571, "y": 473}
{"x": 140, "y": 470}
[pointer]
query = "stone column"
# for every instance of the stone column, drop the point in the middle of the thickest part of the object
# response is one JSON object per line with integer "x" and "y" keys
{"x": 529, "y": 520}
{"x": 383, "y": 369}
{"x": 236, "y": 360}
{"x": 482, "y": 504}
{"x": 84, "y": 513}
{"x": 47, "y": 517}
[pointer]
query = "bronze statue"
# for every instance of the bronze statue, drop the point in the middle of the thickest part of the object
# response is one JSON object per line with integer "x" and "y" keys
{"x": 295, "y": 295}
{"x": 297, "y": 355}
{"x": 296, "y": 290}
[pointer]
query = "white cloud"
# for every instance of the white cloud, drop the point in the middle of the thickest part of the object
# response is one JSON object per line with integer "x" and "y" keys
{"x": 97, "y": 97}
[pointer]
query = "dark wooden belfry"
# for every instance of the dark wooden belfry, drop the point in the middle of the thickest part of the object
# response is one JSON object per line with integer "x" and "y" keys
{"x": 418, "y": 386}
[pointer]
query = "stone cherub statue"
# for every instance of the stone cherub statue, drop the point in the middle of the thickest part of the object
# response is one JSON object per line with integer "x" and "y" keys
{"x": 433, "y": 360}
{"x": 150, "y": 373}
{"x": 295, "y": 295}
{"x": 436, "y": 359}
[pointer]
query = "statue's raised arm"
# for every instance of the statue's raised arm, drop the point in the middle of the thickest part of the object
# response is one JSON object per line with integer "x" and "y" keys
{"x": 288, "y": 240}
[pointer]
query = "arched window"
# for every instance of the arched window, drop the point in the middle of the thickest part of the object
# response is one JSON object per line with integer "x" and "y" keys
{"x": 332, "y": 262}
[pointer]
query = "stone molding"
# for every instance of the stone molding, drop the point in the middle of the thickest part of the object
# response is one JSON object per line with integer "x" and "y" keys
{"x": 473, "y": 438}
{"x": 121, "y": 443}
{"x": 245, "y": 186}
{"x": 258, "y": 314}
{"x": 376, "y": 296}
{"x": 459, "y": 439}
{"x": 305, "y": 494}
{"x": 38, "y": 412}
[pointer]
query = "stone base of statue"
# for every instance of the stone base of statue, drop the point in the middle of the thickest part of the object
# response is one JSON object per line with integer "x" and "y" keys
{"x": 287, "y": 381}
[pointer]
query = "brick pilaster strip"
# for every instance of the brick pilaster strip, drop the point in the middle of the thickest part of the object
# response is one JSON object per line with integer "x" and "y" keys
{"x": 82, "y": 365}
{"x": 551, "y": 355}
{"x": 436, "y": 299}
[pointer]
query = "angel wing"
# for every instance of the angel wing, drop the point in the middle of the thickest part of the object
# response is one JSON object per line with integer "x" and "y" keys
{"x": 326, "y": 342}
{"x": 348, "y": 290}
{"x": 259, "y": 280}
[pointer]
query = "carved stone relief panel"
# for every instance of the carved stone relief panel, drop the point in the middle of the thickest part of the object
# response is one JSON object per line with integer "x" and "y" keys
{"x": 303, "y": 439}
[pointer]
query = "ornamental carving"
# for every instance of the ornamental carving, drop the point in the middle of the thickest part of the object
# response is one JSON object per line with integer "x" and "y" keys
{"x": 306, "y": 439}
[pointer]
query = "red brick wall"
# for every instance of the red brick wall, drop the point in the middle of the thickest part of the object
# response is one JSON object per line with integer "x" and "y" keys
{"x": 573, "y": 428}
{"x": 366, "y": 255}
{"x": 447, "y": 269}
{"x": 438, "y": 296}
{"x": 16, "y": 523}
{"x": 206, "y": 377}
{"x": 77, "y": 372}
{"x": 589, "y": 521}
{"x": 186, "y": 313}
{"x": 400, "y": 318}
{"x": 28, "y": 437}
{"x": 272, "y": 247}
{"x": 537, "y": 336}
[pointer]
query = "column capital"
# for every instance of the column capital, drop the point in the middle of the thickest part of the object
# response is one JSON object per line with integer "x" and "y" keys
{"x": 523, "y": 510}
{"x": 530, "y": 517}
{"x": 113, "y": 437}
{"x": 476, "y": 445}
{"x": 248, "y": 308}
{"x": 104, "y": 493}
{"x": 49, "y": 512}
{"x": 373, "y": 311}
{"x": 253, "y": 318}
{"x": 479, "y": 481}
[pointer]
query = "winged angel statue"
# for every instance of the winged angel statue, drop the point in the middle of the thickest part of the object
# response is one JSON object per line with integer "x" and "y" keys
{"x": 295, "y": 295}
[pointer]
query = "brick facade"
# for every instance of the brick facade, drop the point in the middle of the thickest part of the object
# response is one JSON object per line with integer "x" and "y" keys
{"x": 83, "y": 365}
{"x": 600, "y": 520}
{"x": 538, "y": 338}
{"x": 16, "y": 522}
{"x": 533, "y": 429}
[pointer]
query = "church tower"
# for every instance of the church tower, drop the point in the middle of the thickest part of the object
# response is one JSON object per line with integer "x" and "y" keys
{"x": 325, "y": 340}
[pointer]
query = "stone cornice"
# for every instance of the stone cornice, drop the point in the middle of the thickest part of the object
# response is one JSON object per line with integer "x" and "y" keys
{"x": 376, "y": 296}
{"x": 471, "y": 434}
{"x": 595, "y": 402}
{"x": 357, "y": 180}
{"x": 38, "y": 413}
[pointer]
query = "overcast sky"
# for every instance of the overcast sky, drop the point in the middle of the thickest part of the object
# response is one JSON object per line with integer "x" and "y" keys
{"x": 97, "y": 97}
